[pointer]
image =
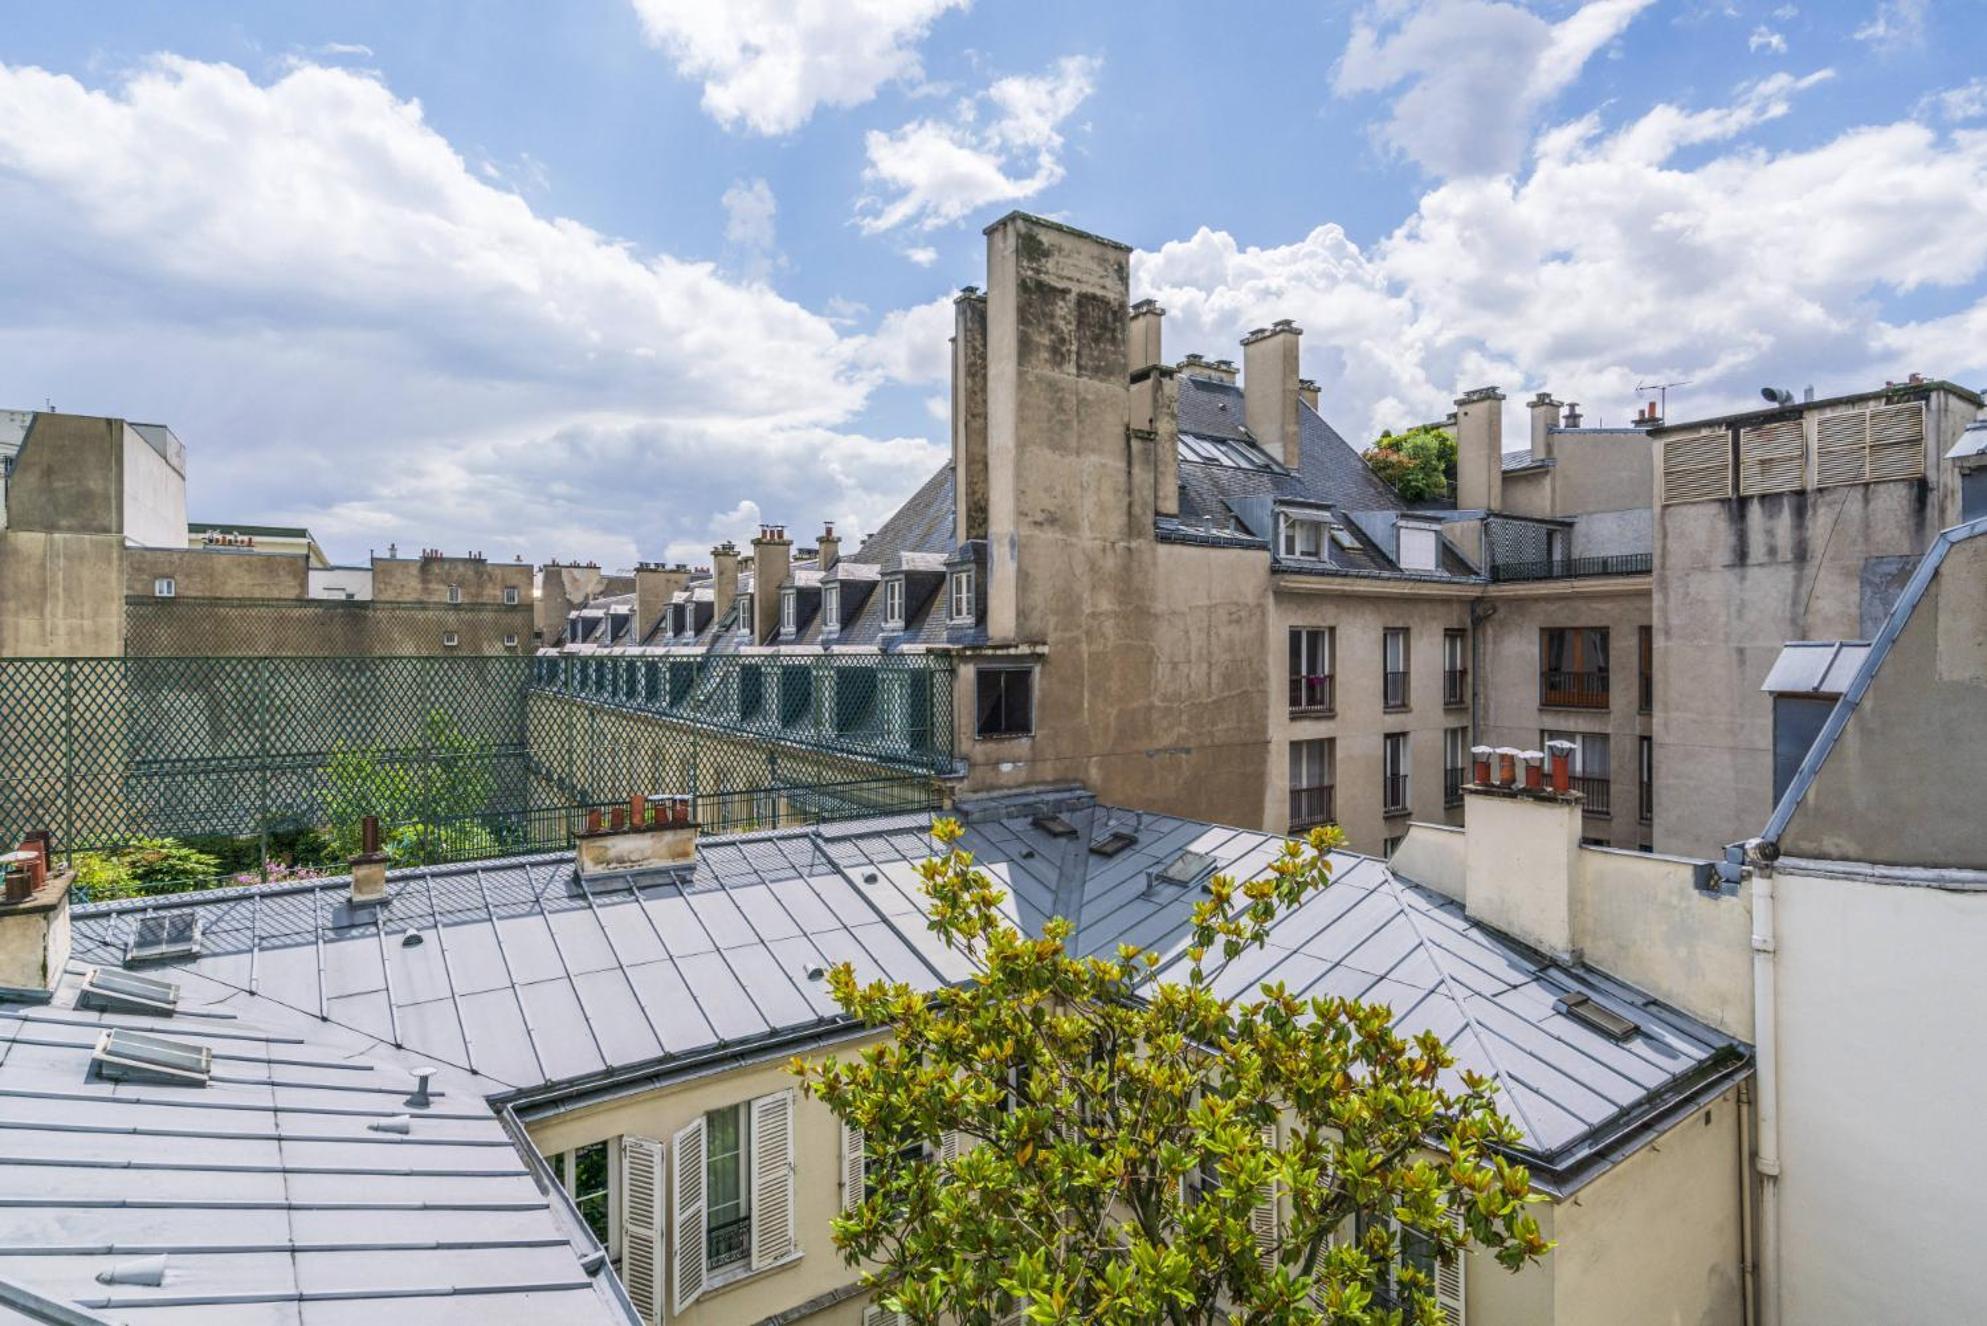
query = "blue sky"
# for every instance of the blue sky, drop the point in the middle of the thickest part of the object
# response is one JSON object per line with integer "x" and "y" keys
{"x": 619, "y": 278}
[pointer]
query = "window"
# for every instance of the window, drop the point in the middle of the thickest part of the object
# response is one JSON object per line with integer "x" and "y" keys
{"x": 727, "y": 1203}
{"x": 510, "y": 596}
{"x": 1394, "y": 788}
{"x": 585, "y": 1175}
{"x": 1303, "y": 538}
{"x": 1311, "y": 778}
{"x": 1797, "y": 721}
{"x": 1555, "y": 546}
{"x": 165, "y": 587}
{"x": 1006, "y": 701}
{"x": 455, "y": 593}
{"x": 893, "y": 601}
{"x": 1455, "y": 764}
{"x": 510, "y": 642}
{"x": 1645, "y": 802}
{"x": 449, "y": 640}
{"x": 1416, "y": 546}
{"x": 1573, "y": 667}
{"x": 1311, "y": 669}
{"x": 1590, "y": 767}
{"x": 1455, "y": 669}
{"x": 1388, "y": 846}
{"x": 1645, "y": 654}
{"x": 962, "y": 595}
{"x": 1394, "y": 661}
{"x": 789, "y": 610}
{"x": 746, "y": 622}
{"x": 831, "y": 608}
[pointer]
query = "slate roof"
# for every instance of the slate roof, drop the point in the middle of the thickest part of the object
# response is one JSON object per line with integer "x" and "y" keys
{"x": 922, "y": 524}
{"x": 1330, "y": 470}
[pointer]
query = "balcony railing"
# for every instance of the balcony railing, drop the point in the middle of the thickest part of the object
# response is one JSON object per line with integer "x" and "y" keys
{"x": 728, "y": 1243}
{"x": 1393, "y": 794}
{"x": 1311, "y": 693}
{"x": 1455, "y": 687}
{"x": 1452, "y": 786}
{"x": 1396, "y": 690}
{"x": 1310, "y": 807}
{"x": 1573, "y": 568}
{"x": 1595, "y": 790}
{"x": 1573, "y": 690}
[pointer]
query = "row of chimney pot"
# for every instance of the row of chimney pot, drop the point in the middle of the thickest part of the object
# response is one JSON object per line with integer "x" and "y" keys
{"x": 1499, "y": 767}
{"x": 640, "y": 813}
{"x": 27, "y": 869}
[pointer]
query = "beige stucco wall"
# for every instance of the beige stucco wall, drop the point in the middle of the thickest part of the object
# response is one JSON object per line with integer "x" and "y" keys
{"x": 816, "y": 1182}
{"x": 1640, "y": 917}
{"x": 1880, "y": 988}
{"x": 1599, "y": 471}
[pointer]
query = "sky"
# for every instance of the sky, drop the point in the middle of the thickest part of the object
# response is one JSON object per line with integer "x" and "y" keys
{"x": 620, "y": 279}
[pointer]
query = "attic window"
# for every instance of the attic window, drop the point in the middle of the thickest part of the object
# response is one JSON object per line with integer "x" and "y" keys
{"x": 1184, "y": 869}
{"x": 1415, "y": 547}
{"x": 165, "y": 935}
{"x": 789, "y": 610}
{"x": 962, "y": 595}
{"x": 1113, "y": 843}
{"x": 1583, "y": 1008}
{"x": 510, "y": 595}
{"x": 111, "y": 991}
{"x": 1303, "y": 538}
{"x": 165, "y": 587}
{"x": 133, "y": 1056}
{"x": 455, "y": 593}
{"x": 893, "y": 601}
{"x": 831, "y": 608}
{"x": 1344, "y": 538}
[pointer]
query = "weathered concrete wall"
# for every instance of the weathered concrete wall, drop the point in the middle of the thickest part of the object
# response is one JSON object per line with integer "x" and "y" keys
{"x": 1601, "y": 471}
{"x": 1508, "y": 691}
{"x": 1639, "y": 917}
{"x": 62, "y": 552}
{"x": 1883, "y": 795}
{"x": 1432, "y": 855}
{"x": 1520, "y": 857}
{"x": 216, "y": 573}
{"x": 969, "y": 417}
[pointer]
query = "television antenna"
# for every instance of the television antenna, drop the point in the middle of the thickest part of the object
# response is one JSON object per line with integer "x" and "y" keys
{"x": 1662, "y": 390}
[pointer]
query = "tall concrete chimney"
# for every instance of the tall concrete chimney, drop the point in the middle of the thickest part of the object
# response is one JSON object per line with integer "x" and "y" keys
{"x": 830, "y": 550}
{"x": 655, "y": 585}
{"x": 1146, "y": 316}
{"x": 1307, "y": 391}
{"x": 724, "y": 578}
{"x": 1545, "y": 417}
{"x": 1155, "y": 412}
{"x": 34, "y": 921}
{"x": 1269, "y": 389}
{"x": 772, "y": 562}
{"x": 1480, "y": 450}
{"x": 969, "y": 415}
{"x": 1521, "y": 860}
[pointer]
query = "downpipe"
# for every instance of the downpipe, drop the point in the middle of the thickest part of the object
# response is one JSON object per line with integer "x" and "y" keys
{"x": 1766, "y": 1133}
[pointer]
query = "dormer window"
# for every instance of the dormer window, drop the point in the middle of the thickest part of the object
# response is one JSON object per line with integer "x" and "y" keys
{"x": 788, "y": 611}
{"x": 1304, "y": 538}
{"x": 893, "y": 602}
{"x": 831, "y": 608}
{"x": 962, "y": 595}
{"x": 745, "y": 619}
{"x": 1416, "y": 547}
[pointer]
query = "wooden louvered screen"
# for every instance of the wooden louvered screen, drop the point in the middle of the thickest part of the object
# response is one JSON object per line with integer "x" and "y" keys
{"x": 1773, "y": 457}
{"x": 1870, "y": 445}
{"x": 1697, "y": 466}
{"x": 642, "y": 1257}
{"x": 772, "y": 1179}
{"x": 686, "y": 1192}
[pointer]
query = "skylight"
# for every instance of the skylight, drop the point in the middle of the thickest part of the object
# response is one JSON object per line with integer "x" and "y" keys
{"x": 1055, "y": 826}
{"x": 164, "y": 935}
{"x": 1584, "y": 1009}
{"x": 111, "y": 991}
{"x": 133, "y": 1056}
{"x": 1184, "y": 869}
{"x": 1113, "y": 843}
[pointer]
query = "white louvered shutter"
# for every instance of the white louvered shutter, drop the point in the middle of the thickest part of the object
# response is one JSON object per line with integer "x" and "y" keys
{"x": 642, "y": 1258}
{"x": 1263, "y": 1220}
{"x": 1697, "y": 466}
{"x": 951, "y": 1146}
{"x": 853, "y": 1176}
{"x": 772, "y": 1178}
{"x": 1870, "y": 445}
{"x": 686, "y": 1200}
{"x": 1773, "y": 457}
{"x": 876, "y": 1316}
{"x": 1449, "y": 1277}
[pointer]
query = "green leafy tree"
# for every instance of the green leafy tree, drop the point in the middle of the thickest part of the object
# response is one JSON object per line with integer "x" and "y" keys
{"x": 1070, "y": 1138}
{"x": 1417, "y": 464}
{"x": 448, "y": 778}
{"x": 144, "y": 866}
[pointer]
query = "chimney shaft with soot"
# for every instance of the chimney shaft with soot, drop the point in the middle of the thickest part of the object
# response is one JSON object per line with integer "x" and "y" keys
{"x": 1270, "y": 387}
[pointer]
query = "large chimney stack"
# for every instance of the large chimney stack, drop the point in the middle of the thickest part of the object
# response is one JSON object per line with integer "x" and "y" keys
{"x": 830, "y": 550}
{"x": 1145, "y": 348}
{"x": 1270, "y": 387}
{"x": 969, "y": 415}
{"x": 655, "y": 585}
{"x": 1480, "y": 450}
{"x": 772, "y": 561}
{"x": 34, "y": 921}
{"x": 1545, "y": 417}
{"x": 724, "y": 578}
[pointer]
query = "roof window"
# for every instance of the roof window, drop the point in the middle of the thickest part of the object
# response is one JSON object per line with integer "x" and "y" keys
{"x": 1054, "y": 825}
{"x": 133, "y": 1056}
{"x": 1585, "y": 1009}
{"x": 1113, "y": 843}
{"x": 1184, "y": 869}
{"x": 164, "y": 935}
{"x": 111, "y": 991}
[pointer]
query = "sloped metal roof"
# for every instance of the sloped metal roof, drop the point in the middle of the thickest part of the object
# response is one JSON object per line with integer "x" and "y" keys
{"x": 1815, "y": 667}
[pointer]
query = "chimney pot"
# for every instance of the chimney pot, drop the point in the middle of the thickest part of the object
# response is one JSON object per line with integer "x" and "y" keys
{"x": 1507, "y": 766}
{"x": 1561, "y": 753}
{"x": 1534, "y": 771}
{"x": 1480, "y": 756}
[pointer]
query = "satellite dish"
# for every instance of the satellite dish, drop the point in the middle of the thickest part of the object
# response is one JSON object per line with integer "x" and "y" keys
{"x": 1777, "y": 395}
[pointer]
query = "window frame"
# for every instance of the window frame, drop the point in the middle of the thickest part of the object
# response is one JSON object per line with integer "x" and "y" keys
{"x": 1599, "y": 801}
{"x": 831, "y": 609}
{"x": 1434, "y": 546}
{"x": 165, "y": 587}
{"x": 960, "y": 585}
{"x": 510, "y": 641}
{"x": 789, "y": 611}
{"x": 1455, "y": 668}
{"x": 1583, "y": 652}
{"x": 893, "y": 603}
{"x": 565, "y": 1171}
{"x": 716, "y": 1273}
{"x": 1392, "y": 768}
{"x": 511, "y": 596}
{"x": 455, "y": 593}
{"x": 1306, "y": 807}
{"x": 981, "y": 672}
{"x": 1455, "y": 764}
{"x": 1291, "y": 537}
{"x": 1299, "y": 664}
{"x": 1405, "y": 637}
{"x": 451, "y": 640}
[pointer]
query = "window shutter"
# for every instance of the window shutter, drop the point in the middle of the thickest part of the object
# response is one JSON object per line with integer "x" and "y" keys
{"x": 951, "y": 1146}
{"x": 879, "y": 1316}
{"x": 852, "y": 1168}
{"x": 1697, "y": 466}
{"x": 1773, "y": 457}
{"x": 1262, "y": 1220}
{"x": 686, "y": 1199}
{"x": 642, "y": 1258}
{"x": 1449, "y": 1276}
{"x": 772, "y": 1178}
{"x": 1869, "y": 445}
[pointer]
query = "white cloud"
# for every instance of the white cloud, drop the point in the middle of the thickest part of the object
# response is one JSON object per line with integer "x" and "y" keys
{"x": 749, "y": 210}
{"x": 1956, "y": 105}
{"x": 1895, "y": 25}
{"x": 1608, "y": 262}
{"x": 349, "y": 325}
{"x": 922, "y": 254}
{"x": 911, "y": 344}
{"x": 767, "y": 64}
{"x": 932, "y": 172}
{"x": 1473, "y": 75}
{"x": 337, "y": 48}
{"x": 1785, "y": 12}
{"x": 1765, "y": 39}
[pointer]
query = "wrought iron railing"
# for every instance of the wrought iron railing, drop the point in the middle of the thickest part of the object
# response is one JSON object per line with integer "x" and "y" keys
{"x": 1455, "y": 687}
{"x": 1394, "y": 690}
{"x": 1393, "y": 794}
{"x": 1596, "y": 794}
{"x": 1310, "y": 807}
{"x": 727, "y": 1242}
{"x": 1311, "y": 693}
{"x": 1573, "y": 690}
{"x": 1574, "y": 568}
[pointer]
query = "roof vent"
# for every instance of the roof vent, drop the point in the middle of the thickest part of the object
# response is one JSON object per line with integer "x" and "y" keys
{"x": 133, "y": 1056}
{"x": 164, "y": 935}
{"x": 1113, "y": 843}
{"x": 113, "y": 991}
{"x": 1584, "y": 1009}
{"x": 393, "y": 1123}
{"x": 1054, "y": 825}
{"x": 1185, "y": 869}
{"x": 143, "y": 1271}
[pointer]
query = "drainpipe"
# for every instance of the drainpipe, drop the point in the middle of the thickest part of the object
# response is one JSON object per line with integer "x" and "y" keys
{"x": 1766, "y": 1144}
{"x": 1748, "y": 1220}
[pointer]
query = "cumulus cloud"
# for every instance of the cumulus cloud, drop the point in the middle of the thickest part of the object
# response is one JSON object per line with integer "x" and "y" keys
{"x": 1469, "y": 78}
{"x": 349, "y": 324}
{"x": 923, "y": 255}
{"x": 1002, "y": 146}
{"x": 766, "y": 65}
{"x": 1956, "y": 105}
{"x": 911, "y": 345}
{"x": 1609, "y": 262}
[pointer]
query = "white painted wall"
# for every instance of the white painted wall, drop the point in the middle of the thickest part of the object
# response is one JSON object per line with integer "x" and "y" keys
{"x": 341, "y": 582}
{"x": 154, "y": 496}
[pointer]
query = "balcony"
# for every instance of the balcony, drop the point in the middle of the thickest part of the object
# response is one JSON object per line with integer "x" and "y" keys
{"x": 1596, "y": 793}
{"x": 1311, "y": 693}
{"x": 1393, "y": 794}
{"x": 728, "y": 1243}
{"x": 1574, "y": 568}
{"x": 1452, "y": 786}
{"x": 1395, "y": 690}
{"x": 1455, "y": 688}
{"x": 1310, "y": 807}
{"x": 1573, "y": 690}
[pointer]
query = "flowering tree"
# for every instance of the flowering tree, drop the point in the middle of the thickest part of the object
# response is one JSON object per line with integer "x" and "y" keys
{"x": 1072, "y": 1139}
{"x": 1416, "y": 464}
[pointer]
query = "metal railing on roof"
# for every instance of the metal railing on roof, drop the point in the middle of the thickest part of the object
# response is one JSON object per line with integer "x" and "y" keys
{"x": 1574, "y": 568}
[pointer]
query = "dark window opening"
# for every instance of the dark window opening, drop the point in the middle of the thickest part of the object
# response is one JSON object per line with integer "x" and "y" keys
{"x": 1006, "y": 701}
